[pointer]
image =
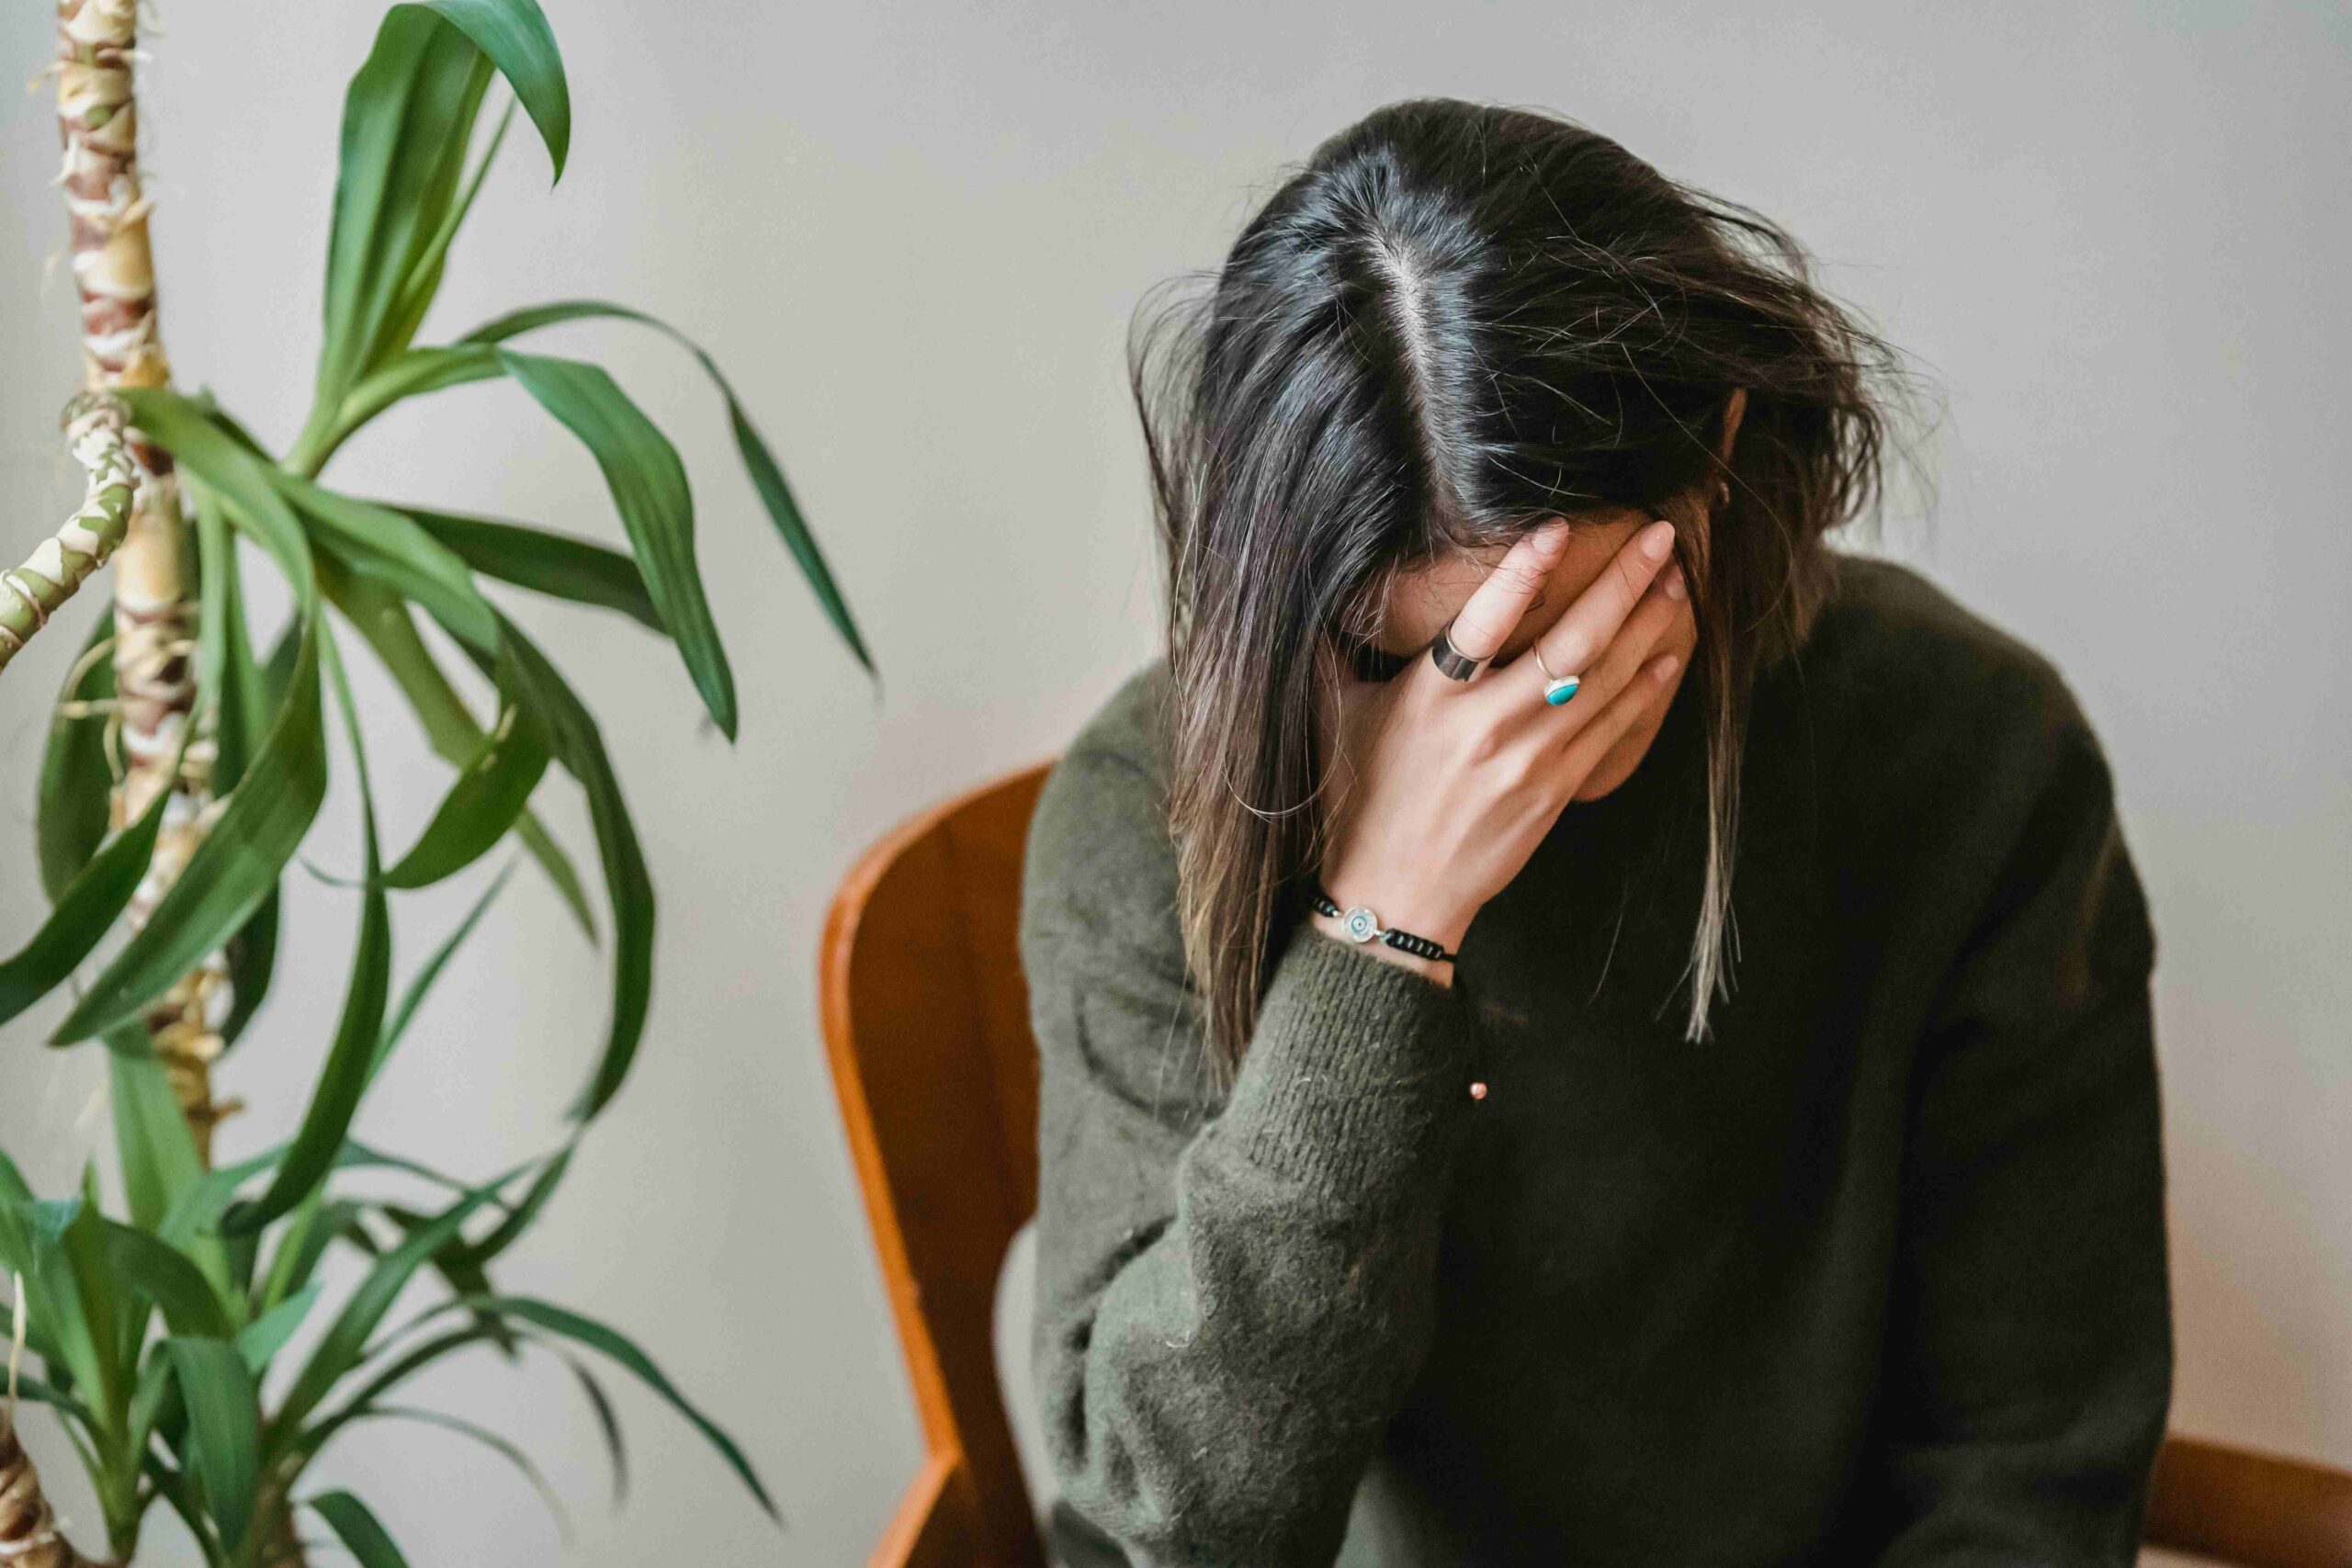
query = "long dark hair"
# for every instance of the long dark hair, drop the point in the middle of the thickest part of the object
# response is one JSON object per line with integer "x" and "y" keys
{"x": 1456, "y": 320}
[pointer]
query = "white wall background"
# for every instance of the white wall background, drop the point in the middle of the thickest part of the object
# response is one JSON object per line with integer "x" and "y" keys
{"x": 913, "y": 232}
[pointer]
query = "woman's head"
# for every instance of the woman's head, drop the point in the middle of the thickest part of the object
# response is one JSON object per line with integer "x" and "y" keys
{"x": 1454, "y": 322}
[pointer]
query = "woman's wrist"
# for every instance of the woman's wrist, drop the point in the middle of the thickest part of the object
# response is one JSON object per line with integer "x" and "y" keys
{"x": 1441, "y": 971}
{"x": 1410, "y": 933}
{"x": 1431, "y": 914}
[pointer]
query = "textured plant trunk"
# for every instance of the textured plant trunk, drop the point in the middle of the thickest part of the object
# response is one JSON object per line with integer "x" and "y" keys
{"x": 29, "y": 1537}
{"x": 281, "y": 1541}
{"x": 154, "y": 618}
{"x": 36, "y": 591}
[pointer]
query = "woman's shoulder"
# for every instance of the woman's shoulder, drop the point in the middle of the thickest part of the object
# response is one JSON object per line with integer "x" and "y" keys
{"x": 1100, "y": 859}
{"x": 1934, "y": 731}
{"x": 1898, "y": 658}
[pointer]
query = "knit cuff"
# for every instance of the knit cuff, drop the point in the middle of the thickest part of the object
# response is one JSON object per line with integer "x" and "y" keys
{"x": 1356, "y": 1070}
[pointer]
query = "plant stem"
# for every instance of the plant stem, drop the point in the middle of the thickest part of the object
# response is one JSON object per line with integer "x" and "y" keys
{"x": 28, "y": 1528}
{"x": 34, "y": 592}
{"x": 155, "y": 610}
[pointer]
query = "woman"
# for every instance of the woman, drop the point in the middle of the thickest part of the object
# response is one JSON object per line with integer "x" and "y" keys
{"x": 1748, "y": 1151}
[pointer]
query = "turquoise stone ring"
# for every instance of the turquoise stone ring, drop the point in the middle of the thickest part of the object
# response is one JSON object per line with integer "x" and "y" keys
{"x": 1557, "y": 689}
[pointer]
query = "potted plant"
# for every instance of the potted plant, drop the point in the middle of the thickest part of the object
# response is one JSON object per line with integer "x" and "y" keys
{"x": 187, "y": 761}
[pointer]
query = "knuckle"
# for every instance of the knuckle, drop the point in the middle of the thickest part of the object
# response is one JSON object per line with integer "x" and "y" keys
{"x": 1629, "y": 576}
{"x": 1474, "y": 633}
{"x": 1483, "y": 746}
{"x": 1521, "y": 769}
{"x": 1520, "y": 577}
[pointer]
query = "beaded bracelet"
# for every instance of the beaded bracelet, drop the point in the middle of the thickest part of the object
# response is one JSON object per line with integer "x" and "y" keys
{"x": 1363, "y": 925}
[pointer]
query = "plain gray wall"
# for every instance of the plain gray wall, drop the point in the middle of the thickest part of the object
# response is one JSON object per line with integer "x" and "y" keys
{"x": 913, "y": 232}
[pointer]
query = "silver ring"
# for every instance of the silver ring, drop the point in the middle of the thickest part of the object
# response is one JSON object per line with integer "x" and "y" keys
{"x": 1450, "y": 661}
{"x": 1557, "y": 689}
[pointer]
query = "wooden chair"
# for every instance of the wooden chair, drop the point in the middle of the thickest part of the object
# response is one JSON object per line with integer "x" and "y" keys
{"x": 926, "y": 1020}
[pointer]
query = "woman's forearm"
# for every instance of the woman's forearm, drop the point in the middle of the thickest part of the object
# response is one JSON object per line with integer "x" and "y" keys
{"x": 1229, "y": 1316}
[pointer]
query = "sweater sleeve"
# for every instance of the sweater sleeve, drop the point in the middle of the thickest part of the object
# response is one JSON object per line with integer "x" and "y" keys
{"x": 1235, "y": 1292}
{"x": 2030, "y": 1355}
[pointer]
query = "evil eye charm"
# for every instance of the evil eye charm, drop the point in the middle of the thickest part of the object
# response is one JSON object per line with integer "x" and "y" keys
{"x": 1362, "y": 924}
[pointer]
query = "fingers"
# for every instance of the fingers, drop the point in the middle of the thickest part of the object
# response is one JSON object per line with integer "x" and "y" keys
{"x": 1485, "y": 621}
{"x": 1619, "y": 664}
{"x": 1625, "y": 707}
{"x": 1572, "y": 644}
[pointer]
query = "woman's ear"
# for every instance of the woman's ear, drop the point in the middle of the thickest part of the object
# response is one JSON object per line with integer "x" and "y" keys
{"x": 1732, "y": 410}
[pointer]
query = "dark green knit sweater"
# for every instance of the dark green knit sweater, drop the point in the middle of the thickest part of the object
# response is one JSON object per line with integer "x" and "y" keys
{"x": 1877, "y": 1274}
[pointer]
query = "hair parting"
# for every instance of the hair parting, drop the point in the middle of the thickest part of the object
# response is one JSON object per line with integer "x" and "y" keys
{"x": 1452, "y": 321}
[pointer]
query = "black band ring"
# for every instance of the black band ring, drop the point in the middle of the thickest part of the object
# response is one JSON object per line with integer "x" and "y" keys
{"x": 1450, "y": 661}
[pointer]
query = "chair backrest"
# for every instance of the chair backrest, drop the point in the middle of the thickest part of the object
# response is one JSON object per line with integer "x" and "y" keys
{"x": 926, "y": 1022}
{"x": 2254, "y": 1510}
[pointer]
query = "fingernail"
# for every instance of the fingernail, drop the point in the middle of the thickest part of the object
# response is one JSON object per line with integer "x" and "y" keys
{"x": 1657, "y": 538}
{"x": 1550, "y": 540}
{"x": 1674, "y": 589}
{"x": 1664, "y": 668}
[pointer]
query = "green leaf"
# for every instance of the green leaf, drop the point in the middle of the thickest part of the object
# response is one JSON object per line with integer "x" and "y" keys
{"x": 53, "y": 1217}
{"x": 576, "y": 742}
{"x": 57, "y": 1399}
{"x": 68, "y": 1261}
{"x": 767, "y": 479}
{"x": 422, "y": 982}
{"x": 199, "y": 1208}
{"x": 174, "y": 1488}
{"x": 491, "y": 792}
{"x": 519, "y": 1218}
{"x": 407, "y": 117}
{"x": 357, "y": 1155}
{"x": 649, "y": 486}
{"x": 608, "y": 1422}
{"x": 503, "y": 1447}
{"x": 243, "y": 703}
{"x": 347, "y": 1339}
{"x": 260, "y": 1341}
{"x": 357, "y": 1529}
{"x": 302, "y": 1243}
{"x": 31, "y": 1247}
{"x": 219, "y": 600}
{"x": 515, "y": 35}
{"x": 86, "y": 911}
{"x": 169, "y": 1279}
{"x": 344, "y": 1076}
{"x": 384, "y": 620}
{"x": 253, "y": 962}
{"x": 409, "y": 374}
{"x": 411, "y": 1361}
{"x": 456, "y": 1265}
{"x": 235, "y": 868}
{"x": 75, "y": 783}
{"x": 245, "y": 483}
{"x": 424, "y": 279}
{"x": 155, "y": 1402}
{"x": 387, "y": 546}
{"x": 606, "y": 1341}
{"x": 232, "y": 870}
{"x": 224, "y": 1430}
{"x": 117, "y": 1322}
{"x": 159, "y": 1159}
{"x": 543, "y": 561}
{"x": 759, "y": 463}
